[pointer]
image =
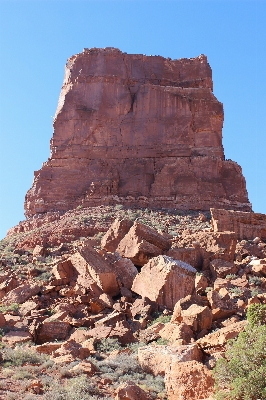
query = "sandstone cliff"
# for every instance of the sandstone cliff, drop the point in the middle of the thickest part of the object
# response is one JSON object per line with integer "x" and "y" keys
{"x": 137, "y": 130}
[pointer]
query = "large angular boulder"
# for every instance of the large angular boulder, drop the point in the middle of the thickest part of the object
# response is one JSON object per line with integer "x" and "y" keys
{"x": 22, "y": 293}
{"x": 124, "y": 269}
{"x": 221, "y": 308}
{"x": 90, "y": 265}
{"x": 142, "y": 243}
{"x": 189, "y": 380}
{"x": 193, "y": 311}
{"x": 131, "y": 391}
{"x": 115, "y": 234}
{"x": 51, "y": 330}
{"x": 165, "y": 281}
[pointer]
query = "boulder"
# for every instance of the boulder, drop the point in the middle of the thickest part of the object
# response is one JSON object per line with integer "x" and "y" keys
{"x": 221, "y": 268}
{"x": 165, "y": 281}
{"x": 142, "y": 243}
{"x": 193, "y": 311}
{"x": 217, "y": 340}
{"x": 12, "y": 338}
{"x": 7, "y": 285}
{"x": 22, "y": 293}
{"x": 89, "y": 263}
{"x": 156, "y": 359}
{"x": 189, "y": 380}
{"x": 115, "y": 234}
{"x": 123, "y": 268}
{"x": 52, "y": 330}
{"x": 221, "y": 308}
{"x": 131, "y": 391}
{"x": 64, "y": 269}
{"x": 177, "y": 334}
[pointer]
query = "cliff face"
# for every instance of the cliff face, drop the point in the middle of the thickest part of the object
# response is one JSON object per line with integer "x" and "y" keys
{"x": 137, "y": 130}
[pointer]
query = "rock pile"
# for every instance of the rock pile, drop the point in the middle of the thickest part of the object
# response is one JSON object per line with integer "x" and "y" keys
{"x": 134, "y": 287}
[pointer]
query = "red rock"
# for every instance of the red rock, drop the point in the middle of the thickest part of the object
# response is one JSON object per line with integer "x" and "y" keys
{"x": 72, "y": 348}
{"x": 177, "y": 334}
{"x": 193, "y": 311}
{"x": 2, "y": 320}
{"x": 115, "y": 234}
{"x": 85, "y": 367}
{"x": 131, "y": 391}
{"x": 201, "y": 283}
{"x": 246, "y": 225}
{"x": 211, "y": 245}
{"x": 48, "y": 348}
{"x": 124, "y": 269}
{"x": 189, "y": 255}
{"x": 12, "y": 338}
{"x": 158, "y": 143}
{"x": 220, "y": 268}
{"x": 7, "y": 285}
{"x": 218, "y": 339}
{"x": 156, "y": 359}
{"x": 22, "y": 293}
{"x": 52, "y": 330}
{"x": 165, "y": 281}
{"x": 189, "y": 380}
{"x": 220, "y": 308}
{"x": 26, "y": 308}
{"x": 142, "y": 243}
{"x": 64, "y": 269}
{"x": 35, "y": 387}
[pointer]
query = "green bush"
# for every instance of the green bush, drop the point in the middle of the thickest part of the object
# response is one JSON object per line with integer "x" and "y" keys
{"x": 241, "y": 375}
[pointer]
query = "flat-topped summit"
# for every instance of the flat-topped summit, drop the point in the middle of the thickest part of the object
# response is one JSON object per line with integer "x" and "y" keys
{"x": 137, "y": 130}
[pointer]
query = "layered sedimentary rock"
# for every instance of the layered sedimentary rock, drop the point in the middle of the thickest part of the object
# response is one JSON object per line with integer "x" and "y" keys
{"x": 137, "y": 130}
{"x": 246, "y": 225}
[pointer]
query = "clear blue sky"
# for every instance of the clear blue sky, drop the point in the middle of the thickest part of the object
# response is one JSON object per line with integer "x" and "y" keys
{"x": 37, "y": 37}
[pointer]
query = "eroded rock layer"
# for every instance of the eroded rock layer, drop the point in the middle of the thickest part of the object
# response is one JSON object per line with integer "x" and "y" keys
{"x": 137, "y": 130}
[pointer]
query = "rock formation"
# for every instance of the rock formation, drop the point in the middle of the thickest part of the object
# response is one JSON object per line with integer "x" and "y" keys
{"x": 137, "y": 130}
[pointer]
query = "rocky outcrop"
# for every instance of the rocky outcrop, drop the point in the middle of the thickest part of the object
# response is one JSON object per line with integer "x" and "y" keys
{"x": 137, "y": 130}
{"x": 246, "y": 225}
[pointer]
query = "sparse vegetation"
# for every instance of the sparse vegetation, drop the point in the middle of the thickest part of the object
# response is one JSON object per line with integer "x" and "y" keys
{"x": 241, "y": 375}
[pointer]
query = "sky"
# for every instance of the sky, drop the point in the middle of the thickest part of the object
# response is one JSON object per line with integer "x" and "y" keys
{"x": 38, "y": 36}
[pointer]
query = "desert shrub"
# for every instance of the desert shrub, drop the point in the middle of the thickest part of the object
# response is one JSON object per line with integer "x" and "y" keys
{"x": 22, "y": 374}
{"x": 11, "y": 307}
{"x": 231, "y": 276}
{"x": 20, "y": 356}
{"x": 241, "y": 375}
{"x": 108, "y": 345}
{"x": 254, "y": 292}
{"x": 255, "y": 280}
{"x": 256, "y": 314}
{"x": 159, "y": 317}
{"x": 236, "y": 291}
{"x": 75, "y": 389}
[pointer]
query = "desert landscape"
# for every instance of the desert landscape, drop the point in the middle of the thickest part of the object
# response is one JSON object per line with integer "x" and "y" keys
{"x": 140, "y": 269}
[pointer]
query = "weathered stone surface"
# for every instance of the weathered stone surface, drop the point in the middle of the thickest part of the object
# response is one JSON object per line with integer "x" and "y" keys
{"x": 142, "y": 243}
{"x": 52, "y": 330}
{"x": 138, "y": 130}
{"x": 176, "y": 333}
{"x": 193, "y": 311}
{"x": 220, "y": 268}
{"x": 115, "y": 234}
{"x": 189, "y": 380}
{"x": 165, "y": 281}
{"x": 92, "y": 267}
{"x": 16, "y": 337}
{"x": 22, "y": 293}
{"x": 221, "y": 308}
{"x": 123, "y": 268}
{"x": 156, "y": 359}
{"x": 2, "y": 320}
{"x": 246, "y": 225}
{"x": 7, "y": 285}
{"x": 131, "y": 391}
{"x": 211, "y": 245}
{"x": 218, "y": 339}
